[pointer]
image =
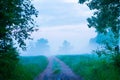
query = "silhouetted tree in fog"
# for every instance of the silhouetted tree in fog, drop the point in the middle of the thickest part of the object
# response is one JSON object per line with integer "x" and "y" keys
{"x": 66, "y": 47}
{"x": 42, "y": 46}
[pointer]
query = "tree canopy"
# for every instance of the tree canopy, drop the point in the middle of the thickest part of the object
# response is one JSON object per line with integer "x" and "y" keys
{"x": 16, "y": 24}
{"x": 106, "y": 18}
{"x": 16, "y": 21}
{"x": 106, "y": 21}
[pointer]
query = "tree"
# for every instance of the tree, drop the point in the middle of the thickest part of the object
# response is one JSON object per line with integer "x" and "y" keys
{"x": 16, "y": 23}
{"x": 40, "y": 47}
{"x": 66, "y": 47}
{"x": 106, "y": 20}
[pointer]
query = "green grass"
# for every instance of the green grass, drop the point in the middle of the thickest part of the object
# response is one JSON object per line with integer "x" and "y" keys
{"x": 30, "y": 67}
{"x": 90, "y": 67}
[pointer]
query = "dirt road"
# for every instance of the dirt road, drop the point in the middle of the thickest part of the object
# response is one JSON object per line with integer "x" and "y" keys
{"x": 57, "y": 70}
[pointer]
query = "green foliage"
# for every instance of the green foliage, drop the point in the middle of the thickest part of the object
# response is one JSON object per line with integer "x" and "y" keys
{"x": 106, "y": 20}
{"x": 90, "y": 67}
{"x": 112, "y": 55}
{"x": 8, "y": 62}
{"x": 82, "y": 1}
{"x": 16, "y": 21}
{"x": 106, "y": 15}
{"x": 116, "y": 61}
{"x": 30, "y": 67}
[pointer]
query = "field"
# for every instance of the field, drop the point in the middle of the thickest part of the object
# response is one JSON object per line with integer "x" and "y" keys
{"x": 91, "y": 67}
{"x": 30, "y": 67}
{"x": 88, "y": 66}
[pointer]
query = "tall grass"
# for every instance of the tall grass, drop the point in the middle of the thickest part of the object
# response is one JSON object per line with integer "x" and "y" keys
{"x": 90, "y": 67}
{"x": 30, "y": 67}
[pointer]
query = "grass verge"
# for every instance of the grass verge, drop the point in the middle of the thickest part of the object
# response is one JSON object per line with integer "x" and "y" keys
{"x": 30, "y": 67}
{"x": 90, "y": 67}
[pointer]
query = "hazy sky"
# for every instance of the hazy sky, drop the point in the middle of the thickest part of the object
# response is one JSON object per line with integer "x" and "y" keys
{"x": 60, "y": 20}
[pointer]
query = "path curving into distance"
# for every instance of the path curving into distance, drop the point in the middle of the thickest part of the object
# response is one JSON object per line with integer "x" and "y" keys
{"x": 57, "y": 70}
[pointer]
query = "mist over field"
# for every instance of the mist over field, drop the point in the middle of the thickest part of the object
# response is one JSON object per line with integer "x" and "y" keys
{"x": 62, "y": 28}
{"x": 62, "y": 40}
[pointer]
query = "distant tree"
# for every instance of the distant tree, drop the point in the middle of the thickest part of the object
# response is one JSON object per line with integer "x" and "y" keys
{"x": 106, "y": 21}
{"x": 16, "y": 23}
{"x": 39, "y": 47}
{"x": 66, "y": 47}
{"x": 42, "y": 46}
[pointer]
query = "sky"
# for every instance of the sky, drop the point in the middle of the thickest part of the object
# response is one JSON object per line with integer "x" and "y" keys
{"x": 59, "y": 21}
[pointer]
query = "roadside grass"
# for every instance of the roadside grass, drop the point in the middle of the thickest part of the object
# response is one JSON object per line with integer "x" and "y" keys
{"x": 30, "y": 67}
{"x": 91, "y": 67}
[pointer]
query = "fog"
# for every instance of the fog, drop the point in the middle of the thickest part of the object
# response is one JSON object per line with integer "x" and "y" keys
{"x": 62, "y": 28}
{"x": 56, "y": 41}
